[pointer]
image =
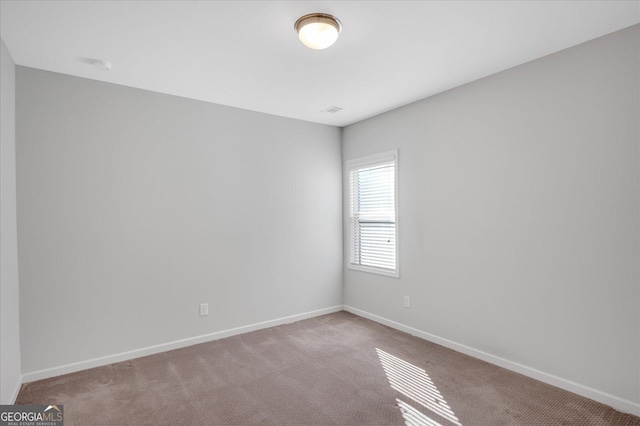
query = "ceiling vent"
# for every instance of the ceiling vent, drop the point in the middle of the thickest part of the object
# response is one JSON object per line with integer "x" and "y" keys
{"x": 97, "y": 63}
{"x": 332, "y": 109}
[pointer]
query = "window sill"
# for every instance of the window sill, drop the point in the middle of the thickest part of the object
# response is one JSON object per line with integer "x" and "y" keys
{"x": 372, "y": 270}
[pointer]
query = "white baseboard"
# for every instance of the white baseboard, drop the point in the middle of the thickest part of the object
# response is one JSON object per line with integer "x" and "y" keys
{"x": 150, "y": 350}
{"x": 603, "y": 397}
{"x": 16, "y": 391}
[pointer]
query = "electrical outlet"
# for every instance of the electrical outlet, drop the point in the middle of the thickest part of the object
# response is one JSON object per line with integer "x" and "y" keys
{"x": 407, "y": 301}
{"x": 204, "y": 309}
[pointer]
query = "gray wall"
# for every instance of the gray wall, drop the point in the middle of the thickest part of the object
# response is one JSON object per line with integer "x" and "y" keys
{"x": 9, "y": 325}
{"x": 135, "y": 207}
{"x": 519, "y": 215}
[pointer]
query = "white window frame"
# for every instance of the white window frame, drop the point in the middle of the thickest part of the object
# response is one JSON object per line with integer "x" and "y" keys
{"x": 358, "y": 163}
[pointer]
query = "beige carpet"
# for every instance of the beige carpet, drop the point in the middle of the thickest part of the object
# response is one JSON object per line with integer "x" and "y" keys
{"x": 337, "y": 369}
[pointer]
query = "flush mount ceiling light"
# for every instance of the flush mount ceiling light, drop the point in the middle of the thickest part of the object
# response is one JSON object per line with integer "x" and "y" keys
{"x": 318, "y": 30}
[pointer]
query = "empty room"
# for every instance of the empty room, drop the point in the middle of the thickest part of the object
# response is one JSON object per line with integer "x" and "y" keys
{"x": 421, "y": 213}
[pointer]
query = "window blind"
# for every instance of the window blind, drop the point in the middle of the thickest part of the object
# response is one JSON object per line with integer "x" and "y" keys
{"x": 373, "y": 213}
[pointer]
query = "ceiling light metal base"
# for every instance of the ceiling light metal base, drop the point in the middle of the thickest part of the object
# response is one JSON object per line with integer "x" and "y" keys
{"x": 318, "y": 17}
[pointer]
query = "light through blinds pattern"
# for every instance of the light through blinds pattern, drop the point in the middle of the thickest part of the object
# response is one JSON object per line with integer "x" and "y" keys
{"x": 373, "y": 215}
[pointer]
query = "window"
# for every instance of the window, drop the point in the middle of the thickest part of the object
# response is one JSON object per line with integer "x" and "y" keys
{"x": 373, "y": 225}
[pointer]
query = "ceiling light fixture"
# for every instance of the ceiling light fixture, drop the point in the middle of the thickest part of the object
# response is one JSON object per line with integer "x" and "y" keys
{"x": 318, "y": 30}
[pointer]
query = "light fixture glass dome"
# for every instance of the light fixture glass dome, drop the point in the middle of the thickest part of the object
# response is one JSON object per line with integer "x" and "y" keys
{"x": 318, "y": 30}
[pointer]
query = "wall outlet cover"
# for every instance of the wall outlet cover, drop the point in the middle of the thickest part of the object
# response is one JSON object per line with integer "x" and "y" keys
{"x": 204, "y": 309}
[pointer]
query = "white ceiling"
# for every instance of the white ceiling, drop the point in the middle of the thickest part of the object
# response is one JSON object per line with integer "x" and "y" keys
{"x": 246, "y": 53}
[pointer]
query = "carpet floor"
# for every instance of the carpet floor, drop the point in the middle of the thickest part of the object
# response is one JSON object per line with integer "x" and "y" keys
{"x": 337, "y": 369}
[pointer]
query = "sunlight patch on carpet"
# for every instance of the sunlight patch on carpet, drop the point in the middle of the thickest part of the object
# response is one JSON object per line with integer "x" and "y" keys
{"x": 414, "y": 382}
{"x": 414, "y": 417}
